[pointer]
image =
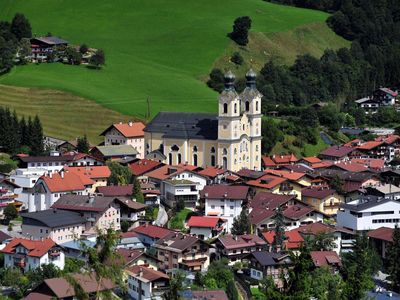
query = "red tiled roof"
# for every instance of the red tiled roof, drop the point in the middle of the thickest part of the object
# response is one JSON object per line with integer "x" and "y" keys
{"x": 317, "y": 192}
{"x": 382, "y": 233}
{"x": 92, "y": 172}
{"x": 128, "y": 234}
{"x": 144, "y": 165}
{"x": 115, "y": 190}
{"x": 128, "y": 130}
{"x": 129, "y": 255}
{"x": 315, "y": 228}
{"x": 337, "y": 151}
{"x": 369, "y": 145}
{"x": 294, "y": 240}
{"x": 220, "y": 191}
{"x": 373, "y": 163}
{"x": 187, "y": 167}
{"x": 286, "y": 174}
{"x": 351, "y": 186}
{"x": 312, "y": 159}
{"x": 351, "y": 166}
{"x": 322, "y": 164}
{"x": 147, "y": 273}
{"x": 164, "y": 172}
{"x": 203, "y": 221}
{"x": 212, "y": 171}
{"x": 36, "y": 248}
{"x": 297, "y": 211}
{"x": 232, "y": 177}
{"x": 241, "y": 241}
{"x": 269, "y": 200}
{"x": 66, "y": 181}
{"x": 266, "y": 181}
{"x": 268, "y": 162}
{"x": 325, "y": 258}
{"x": 284, "y": 159}
{"x": 390, "y": 139}
{"x": 353, "y": 143}
{"x": 152, "y": 231}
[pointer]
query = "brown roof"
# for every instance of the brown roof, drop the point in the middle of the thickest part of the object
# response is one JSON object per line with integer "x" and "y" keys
{"x": 235, "y": 192}
{"x": 317, "y": 192}
{"x": 316, "y": 228}
{"x": 83, "y": 202}
{"x": 178, "y": 241}
{"x": 291, "y": 175}
{"x": 164, "y": 172}
{"x": 311, "y": 159}
{"x": 61, "y": 288}
{"x": 264, "y": 203}
{"x": 129, "y": 255}
{"x": 325, "y": 258}
{"x": 128, "y": 130}
{"x": 212, "y": 171}
{"x": 146, "y": 273}
{"x": 337, "y": 151}
{"x": 152, "y": 231}
{"x": 266, "y": 181}
{"x": 241, "y": 241}
{"x": 36, "y": 248}
{"x": 369, "y": 145}
{"x": 115, "y": 190}
{"x": 209, "y": 295}
{"x": 382, "y": 233}
{"x": 134, "y": 205}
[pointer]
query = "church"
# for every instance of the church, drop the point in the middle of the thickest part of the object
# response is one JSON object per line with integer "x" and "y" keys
{"x": 231, "y": 139}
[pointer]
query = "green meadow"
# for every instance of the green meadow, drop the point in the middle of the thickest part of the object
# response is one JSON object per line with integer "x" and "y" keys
{"x": 158, "y": 50}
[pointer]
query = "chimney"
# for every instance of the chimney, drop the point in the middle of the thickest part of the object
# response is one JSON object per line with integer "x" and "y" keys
{"x": 62, "y": 174}
{"x": 50, "y": 174}
{"x": 140, "y": 272}
{"x": 130, "y": 123}
{"x": 91, "y": 198}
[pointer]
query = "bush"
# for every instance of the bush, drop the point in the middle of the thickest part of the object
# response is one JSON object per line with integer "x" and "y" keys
{"x": 237, "y": 58}
{"x": 241, "y": 27}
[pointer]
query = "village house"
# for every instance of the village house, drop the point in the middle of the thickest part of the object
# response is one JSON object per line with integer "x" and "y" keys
{"x": 224, "y": 201}
{"x": 150, "y": 234}
{"x": 8, "y": 196}
{"x": 215, "y": 175}
{"x": 294, "y": 241}
{"x": 149, "y": 191}
{"x": 381, "y": 238}
{"x": 142, "y": 166}
{"x": 42, "y": 47}
{"x": 182, "y": 251}
{"x": 114, "y": 152}
{"x": 50, "y": 187}
{"x": 131, "y": 211}
{"x": 309, "y": 160}
{"x": 205, "y": 227}
{"x": 4, "y": 239}
{"x": 231, "y": 139}
{"x": 269, "y": 264}
{"x": 59, "y": 225}
{"x": 100, "y": 212}
{"x": 326, "y": 259}
{"x": 134, "y": 257}
{"x": 236, "y": 248}
{"x": 369, "y": 212}
{"x": 384, "y": 190}
{"x": 29, "y": 254}
{"x": 336, "y": 153}
{"x": 61, "y": 289}
{"x": 323, "y": 199}
{"x": 146, "y": 284}
{"x": 130, "y": 133}
{"x": 381, "y": 97}
{"x": 98, "y": 174}
{"x": 263, "y": 211}
{"x": 77, "y": 248}
{"x": 130, "y": 241}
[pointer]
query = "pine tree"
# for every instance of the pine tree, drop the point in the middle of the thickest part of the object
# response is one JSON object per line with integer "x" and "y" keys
{"x": 393, "y": 257}
{"x": 137, "y": 190}
{"x": 241, "y": 224}
{"x": 37, "y": 146}
{"x": 83, "y": 144}
{"x": 23, "y": 127}
{"x": 21, "y": 27}
{"x": 279, "y": 230}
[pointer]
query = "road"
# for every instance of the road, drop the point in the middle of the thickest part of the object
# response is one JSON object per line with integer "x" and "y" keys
{"x": 162, "y": 216}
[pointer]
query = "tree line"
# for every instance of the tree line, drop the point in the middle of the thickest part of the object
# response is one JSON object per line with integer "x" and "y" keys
{"x": 18, "y": 135}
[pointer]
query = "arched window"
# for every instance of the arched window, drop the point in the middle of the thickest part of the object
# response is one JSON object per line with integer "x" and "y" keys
{"x": 247, "y": 106}
{"x": 256, "y": 105}
{"x": 235, "y": 108}
{"x": 213, "y": 160}
{"x": 225, "y": 163}
{"x": 256, "y": 147}
{"x": 179, "y": 158}
{"x": 170, "y": 159}
{"x": 175, "y": 148}
{"x": 212, "y": 150}
{"x": 195, "y": 160}
{"x": 162, "y": 148}
{"x": 235, "y": 151}
{"x": 194, "y": 148}
{"x": 225, "y": 108}
{"x": 224, "y": 151}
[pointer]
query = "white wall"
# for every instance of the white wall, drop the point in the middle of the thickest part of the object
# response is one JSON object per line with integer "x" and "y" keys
{"x": 226, "y": 209}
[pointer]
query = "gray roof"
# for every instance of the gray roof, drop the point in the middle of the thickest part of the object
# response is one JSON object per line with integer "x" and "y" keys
{"x": 51, "y": 40}
{"x": 53, "y": 218}
{"x": 366, "y": 202}
{"x": 83, "y": 202}
{"x": 117, "y": 150}
{"x": 78, "y": 245}
{"x": 269, "y": 258}
{"x": 185, "y": 125}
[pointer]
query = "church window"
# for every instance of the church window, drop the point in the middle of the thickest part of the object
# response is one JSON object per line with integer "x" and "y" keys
{"x": 179, "y": 158}
{"x": 247, "y": 106}
{"x": 175, "y": 148}
{"x": 170, "y": 159}
{"x": 235, "y": 108}
{"x": 162, "y": 148}
{"x": 213, "y": 160}
{"x": 235, "y": 161}
{"x": 256, "y": 105}
{"x": 212, "y": 150}
{"x": 224, "y": 162}
{"x": 225, "y": 108}
{"x": 224, "y": 151}
{"x": 235, "y": 151}
{"x": 243, "y": 127}
{"x": 194, "y": 148}
{"x": 256, "y": 157}
{"x": 195, "y": 160}
{"x": 147, "y": 146}
{"x": 256, "y": 147}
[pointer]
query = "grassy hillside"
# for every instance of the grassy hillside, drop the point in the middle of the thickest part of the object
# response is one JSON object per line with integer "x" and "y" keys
{"x": 63, "y": 115}
{"x": 158, "y": 49}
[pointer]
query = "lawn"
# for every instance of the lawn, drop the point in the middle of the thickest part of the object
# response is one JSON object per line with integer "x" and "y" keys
{"x": 179, "y": 218}
{"x": 158, "y": 50}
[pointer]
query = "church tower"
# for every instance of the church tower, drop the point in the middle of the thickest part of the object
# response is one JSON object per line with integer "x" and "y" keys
{"x": 239, "y": 125}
